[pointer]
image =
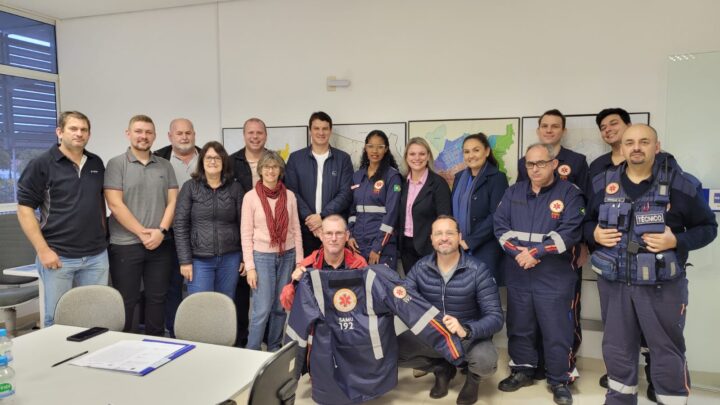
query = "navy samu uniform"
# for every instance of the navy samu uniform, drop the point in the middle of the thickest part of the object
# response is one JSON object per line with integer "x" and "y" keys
{"x": 643, "y": 292}
{"x": 350, "y": 317}
{"x": 374, "y": 214}
{"x": 548, "y": 224}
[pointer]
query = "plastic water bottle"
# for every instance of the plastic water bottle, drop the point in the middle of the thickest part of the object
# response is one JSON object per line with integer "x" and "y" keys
{"x": 7, "y": 382}
{"x": 6, "y": 345}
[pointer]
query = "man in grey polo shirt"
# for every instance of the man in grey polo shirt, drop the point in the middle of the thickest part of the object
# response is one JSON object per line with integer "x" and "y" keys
{"x": 141, "y": 190}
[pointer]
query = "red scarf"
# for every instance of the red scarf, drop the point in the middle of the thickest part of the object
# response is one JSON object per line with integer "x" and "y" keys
{"x": 277, "y": 224}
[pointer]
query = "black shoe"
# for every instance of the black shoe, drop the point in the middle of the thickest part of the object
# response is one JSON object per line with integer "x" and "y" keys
{"x": 539, "y": 373}
{"x": 443, "y": 374}
{"x": 651, "y": 393}
{"x": 516, "y": 381}
{"x": 469, "y": 392}
{"x": 603, "y": 381}
{"x": 561, "y": 394}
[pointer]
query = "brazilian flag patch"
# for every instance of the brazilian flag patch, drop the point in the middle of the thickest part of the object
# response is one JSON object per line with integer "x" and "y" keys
{"x": 396, "y": 188}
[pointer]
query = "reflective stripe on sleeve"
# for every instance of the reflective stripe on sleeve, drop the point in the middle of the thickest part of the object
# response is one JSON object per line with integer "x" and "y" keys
{"x": 672, "y": 399}
{"x": 617, "y": 386}
{"x": 424, "y": 320}
{"x": 386, "y": 228}
{"x": 317, "y": 290}
{"x": 513, "y": 364}
{"x": 373, "y": 209}
{"x": 559, "y": 242}
{"x": 294, "y": 336}
{"x": 372, "y": 318}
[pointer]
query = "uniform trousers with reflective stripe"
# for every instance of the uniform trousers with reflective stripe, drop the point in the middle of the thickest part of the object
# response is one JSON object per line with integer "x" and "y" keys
{"x": 658, "y": 312}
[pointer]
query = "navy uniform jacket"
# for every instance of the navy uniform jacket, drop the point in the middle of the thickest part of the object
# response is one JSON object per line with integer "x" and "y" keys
{"x": 350, "y": 316}
{"x": 572, "y": 166}
{"x": 548, "y": 224}
{"x": 375, "y": 209}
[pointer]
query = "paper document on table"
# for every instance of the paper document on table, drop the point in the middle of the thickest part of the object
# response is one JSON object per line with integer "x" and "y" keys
{"x": 133, "y": 356}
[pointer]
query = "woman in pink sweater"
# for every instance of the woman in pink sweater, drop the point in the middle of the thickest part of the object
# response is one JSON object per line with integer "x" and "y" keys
{"x": 272, "y": 248}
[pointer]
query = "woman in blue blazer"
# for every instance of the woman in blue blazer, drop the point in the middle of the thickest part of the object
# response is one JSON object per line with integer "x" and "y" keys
{"x": 430, "y": 198}
{"x": 477, "y": 191}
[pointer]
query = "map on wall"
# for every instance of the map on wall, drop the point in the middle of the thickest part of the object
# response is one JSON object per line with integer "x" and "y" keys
{"x": 283, "y": 140}
{"x": 582, "y": 136}
{"x": 446, "y": 137}
{"x": 351, "y": 139}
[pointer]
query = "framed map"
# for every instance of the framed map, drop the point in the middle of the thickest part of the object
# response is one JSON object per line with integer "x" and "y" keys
{"x": 582, "y": 136}
{"x": 351, "y": 139}
{"x": 446, "y": 137}
{"x": 283, "y": 140}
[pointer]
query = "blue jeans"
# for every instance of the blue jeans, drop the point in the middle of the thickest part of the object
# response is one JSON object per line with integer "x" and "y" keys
{"x": 88, "y": 270}
{"x": 273, "y": 273}
{"x": 219, "y": 273}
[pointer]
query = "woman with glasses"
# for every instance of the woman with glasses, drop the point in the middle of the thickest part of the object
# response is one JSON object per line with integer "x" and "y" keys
{"x": 207, "y": 224}
{"x": 272, "y": 248}
{"x": 374, "y": 211}
{"x": 424, "y": 197}
{"x": 477, "y": 191}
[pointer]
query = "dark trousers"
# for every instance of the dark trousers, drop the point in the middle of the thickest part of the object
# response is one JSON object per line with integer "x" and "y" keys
{"x": 481, "y": 355}
{"x": 408, "y": 255}
{"x": 552, "y": 314}
{"x": 310, "y": 242}
{"x": 174, "y": 293}
{"x": 131, "y": 264}
{"x": 657, "y": 312}
{"x": 242, "y": 309}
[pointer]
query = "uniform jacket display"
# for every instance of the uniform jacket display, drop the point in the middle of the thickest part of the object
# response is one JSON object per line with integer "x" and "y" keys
{"x": 350, "y": 314}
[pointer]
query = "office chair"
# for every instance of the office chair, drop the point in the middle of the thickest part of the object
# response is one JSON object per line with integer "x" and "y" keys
{"x": 15, "y": 250}
{"x": 275, "y": 382}
{"x": 91, "y": 305}
{"x": 207, "y": 317}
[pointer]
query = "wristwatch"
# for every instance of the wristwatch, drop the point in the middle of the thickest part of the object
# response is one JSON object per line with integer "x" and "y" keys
{"x": 468, "y": 333}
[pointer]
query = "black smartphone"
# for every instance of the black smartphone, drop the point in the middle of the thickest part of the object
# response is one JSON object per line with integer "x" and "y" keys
{"x": 87, "y": 334}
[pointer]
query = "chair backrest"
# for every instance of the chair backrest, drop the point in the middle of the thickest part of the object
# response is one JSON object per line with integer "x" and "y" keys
{"x": 91, "y": 305}
{"x": 275, "y": 382}
{"x": 207, "y": 317}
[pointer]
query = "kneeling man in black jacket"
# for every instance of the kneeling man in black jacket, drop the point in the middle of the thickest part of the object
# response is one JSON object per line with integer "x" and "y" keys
{"x": 464, "y": 289}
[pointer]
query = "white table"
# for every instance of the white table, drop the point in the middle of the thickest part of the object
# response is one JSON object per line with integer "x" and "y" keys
{"x": 30, "y": 270}
{"x": 208, "y": 374}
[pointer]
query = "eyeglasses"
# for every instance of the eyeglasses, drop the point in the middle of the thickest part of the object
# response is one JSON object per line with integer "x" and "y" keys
{"x": 378, "y": 148}
{"x": 213, "y": 158}
{"x": 541, "y": 164}
{"x": 275, "y": 167}
{"x": 336, "y": 235}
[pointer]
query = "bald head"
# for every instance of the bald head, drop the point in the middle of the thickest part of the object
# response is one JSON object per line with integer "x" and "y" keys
{"x": 639, "y": 145}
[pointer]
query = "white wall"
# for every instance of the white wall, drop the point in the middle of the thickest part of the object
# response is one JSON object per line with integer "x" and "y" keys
{"x": 159, "y": 63}
{"x": 407, "y": 59}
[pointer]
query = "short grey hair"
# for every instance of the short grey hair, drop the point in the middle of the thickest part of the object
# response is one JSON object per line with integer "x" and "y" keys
{"x": 268, "y": 158}
{"x": 545, "y": 146}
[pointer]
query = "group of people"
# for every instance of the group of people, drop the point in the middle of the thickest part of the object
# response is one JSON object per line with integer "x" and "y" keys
{"x": 250, "y": 224}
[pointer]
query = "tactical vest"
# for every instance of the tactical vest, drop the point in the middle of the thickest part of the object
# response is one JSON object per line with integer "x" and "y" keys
{"x": 629, "y": 261}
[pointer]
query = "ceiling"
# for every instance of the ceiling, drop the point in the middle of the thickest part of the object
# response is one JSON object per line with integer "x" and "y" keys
{"x": 64, "y": 9}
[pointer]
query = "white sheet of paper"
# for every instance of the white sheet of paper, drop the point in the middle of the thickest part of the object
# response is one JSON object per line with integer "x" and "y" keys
{"x": 129, "y": 355}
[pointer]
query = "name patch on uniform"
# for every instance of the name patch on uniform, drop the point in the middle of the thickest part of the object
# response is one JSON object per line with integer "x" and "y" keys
{"x": 646, "y": 219}
{"x": 344, "y": 300}
{"x": 564, "y": 171}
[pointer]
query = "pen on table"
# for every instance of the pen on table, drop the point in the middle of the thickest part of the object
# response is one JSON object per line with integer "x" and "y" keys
{"x": 69, "y": 358}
